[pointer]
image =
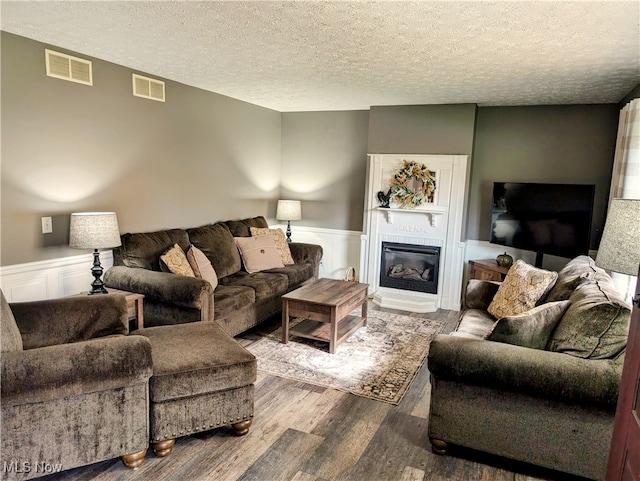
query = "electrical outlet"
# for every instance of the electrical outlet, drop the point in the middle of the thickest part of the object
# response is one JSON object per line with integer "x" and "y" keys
{"x": 47, "y": 225}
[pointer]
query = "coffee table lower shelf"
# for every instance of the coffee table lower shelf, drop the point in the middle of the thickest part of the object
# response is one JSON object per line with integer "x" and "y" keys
{"x": 321, "y": 331}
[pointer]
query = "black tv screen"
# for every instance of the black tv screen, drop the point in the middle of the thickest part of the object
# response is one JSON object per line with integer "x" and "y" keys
{"x": 550, "y": 219}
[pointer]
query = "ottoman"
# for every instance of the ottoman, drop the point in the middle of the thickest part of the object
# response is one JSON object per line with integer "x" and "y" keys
{"x": 202, "y": 379}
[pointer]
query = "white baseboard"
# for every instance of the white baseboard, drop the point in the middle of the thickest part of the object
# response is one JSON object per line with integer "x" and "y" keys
{"x": 341, "y": 248}
{"x": 50, "y": 279}
{"x": 69, "y": 275}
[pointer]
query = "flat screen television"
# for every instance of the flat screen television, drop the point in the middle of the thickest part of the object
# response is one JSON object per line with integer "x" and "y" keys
{"x": 552, "y": 219}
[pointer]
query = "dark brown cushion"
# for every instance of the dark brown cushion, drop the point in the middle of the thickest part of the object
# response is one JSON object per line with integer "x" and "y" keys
{"x": 144, "y": 249}
{"x": 216, "y": 242}
{"x": 531, "y": 329}
{"x": 70, "y": 319}
{"x": 595, "y": 326}
{"x": 229, "y": 299}
{"x": 196, "y": 358}
{"x": 296, "y": 273}
{"x": 264, "y": 284}
{"x": 241, "y": 228}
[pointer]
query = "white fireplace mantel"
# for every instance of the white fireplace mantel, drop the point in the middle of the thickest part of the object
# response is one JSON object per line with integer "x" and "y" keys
{"x": 432, "y": 215}
{"x": 439, "y": 223}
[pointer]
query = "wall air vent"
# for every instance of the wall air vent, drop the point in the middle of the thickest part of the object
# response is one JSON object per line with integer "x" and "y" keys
{"x": 66, "y": 67}
{"x": 148, "y": 88}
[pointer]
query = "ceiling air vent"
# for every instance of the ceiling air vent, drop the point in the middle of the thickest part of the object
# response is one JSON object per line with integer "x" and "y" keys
{"x": 148, "y": 88}
{"x": 66, "y": 67}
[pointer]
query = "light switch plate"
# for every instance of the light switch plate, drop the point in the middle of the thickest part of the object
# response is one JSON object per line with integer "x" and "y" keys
{"x": 47, "y": 225}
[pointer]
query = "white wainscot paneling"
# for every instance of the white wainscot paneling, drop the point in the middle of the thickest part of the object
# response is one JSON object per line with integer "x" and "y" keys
{"x": 50, "y": 279}
{"x": 341, "y": 248}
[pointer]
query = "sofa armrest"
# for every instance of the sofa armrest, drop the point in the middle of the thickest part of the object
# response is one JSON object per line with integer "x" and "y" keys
{"x": 479, "y": 294}
{"x": 166, "y": 287}
{"x": 532, "y": 372}
{"x": 306, "y": 254}
{"x": 55, "y": 372}
{"x": 69, "y": 319}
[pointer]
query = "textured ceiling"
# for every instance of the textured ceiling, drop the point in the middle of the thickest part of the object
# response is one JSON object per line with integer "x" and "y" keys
{"x": 335, "y": 55}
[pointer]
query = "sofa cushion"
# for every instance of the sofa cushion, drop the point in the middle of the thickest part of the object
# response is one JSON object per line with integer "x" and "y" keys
{"x": 531, "y": 329}
{"x": 595, "y": 326}
{"x": 521, "y": 289}
{"x": 176, "y": 261}
{"x": 264, "y": 284}
{"x": 280, "y": 240}
{"x": 70, "y": 319}
{"x": 216, "y": 242}
{"x": 196, "y": 358}
{"x": 578, "y": 270}
{"x": 201, "y": 266}
{"x": 144, "y": 249}
{"x": 10, "y": 338}
{"x": 296, "y": 273}
{"x": 228, "y": 299}
{"x": 240, "y": 228}
{"x": 258, "y": 253}
{"x": 474, "y": 323}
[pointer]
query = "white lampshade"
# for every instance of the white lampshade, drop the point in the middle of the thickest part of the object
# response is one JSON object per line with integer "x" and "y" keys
{"x": 619, "y": 249}
{"x": 289, "y": 210}
{"x": 94, "y": 230}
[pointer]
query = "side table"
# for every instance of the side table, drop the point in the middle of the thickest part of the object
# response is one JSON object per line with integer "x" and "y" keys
{"x": 134, "y": 306}
{"x": 135, "y": 314}
{"x": 487, "y": 270}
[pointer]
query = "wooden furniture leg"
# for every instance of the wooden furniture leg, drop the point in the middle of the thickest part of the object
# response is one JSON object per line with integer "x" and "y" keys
{"x": 134, "y": 460}
{"x": 241, "y": 428}
{"x": 438, "y": 446}
{"x": 163, "y": 448}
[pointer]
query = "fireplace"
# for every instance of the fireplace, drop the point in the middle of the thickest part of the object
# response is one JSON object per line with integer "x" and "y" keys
{"x": 409, "y": 267}
{"x": 437, "y": 225}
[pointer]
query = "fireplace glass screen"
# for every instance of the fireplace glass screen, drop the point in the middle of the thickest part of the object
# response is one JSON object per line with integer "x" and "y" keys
{"x": 410, "y": 267}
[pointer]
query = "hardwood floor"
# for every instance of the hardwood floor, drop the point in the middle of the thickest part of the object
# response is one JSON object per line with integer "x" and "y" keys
{"x": 303, "y": 432}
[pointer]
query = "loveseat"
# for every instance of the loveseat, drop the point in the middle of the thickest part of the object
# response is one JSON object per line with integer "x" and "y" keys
{"x": 237, "y": 300}
{"x": 539, "y": 386}
{"x": 75, "y": 388}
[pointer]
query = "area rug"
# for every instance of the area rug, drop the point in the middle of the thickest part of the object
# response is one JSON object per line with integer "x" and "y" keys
{"x": 378, "y": 361}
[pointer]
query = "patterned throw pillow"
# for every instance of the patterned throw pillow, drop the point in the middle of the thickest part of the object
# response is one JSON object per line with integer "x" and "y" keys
{"x": 201, "y": 266}
{"x": 531, "y": 329}
{"x": 523, "y": 286}
{"x": 176, "y": 261}
{"x": 259, "y": 253}
{"x": 279, "y": 239}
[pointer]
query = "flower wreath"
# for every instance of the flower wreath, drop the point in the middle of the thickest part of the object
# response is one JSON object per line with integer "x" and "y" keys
{"x": 401, "y": 190}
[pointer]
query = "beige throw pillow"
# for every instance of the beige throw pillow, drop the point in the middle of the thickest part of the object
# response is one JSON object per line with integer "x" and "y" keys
{"x": 176, "y": 261}
{"x": 279, "y": 239}
{"x": 259, "y": 253}
{"x": 523, "y": 286}
{"x": 201, "y": 266}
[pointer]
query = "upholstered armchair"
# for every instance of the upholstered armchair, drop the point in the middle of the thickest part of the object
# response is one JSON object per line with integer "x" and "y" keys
{"x": 74, "y": 387}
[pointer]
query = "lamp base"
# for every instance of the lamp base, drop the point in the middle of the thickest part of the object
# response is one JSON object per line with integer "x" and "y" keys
{"x": 97, "y": 286}
{"x": 288, "y": 231}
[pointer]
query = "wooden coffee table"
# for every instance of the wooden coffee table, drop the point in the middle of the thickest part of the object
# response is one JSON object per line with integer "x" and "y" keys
{"x": 325, "y": 306}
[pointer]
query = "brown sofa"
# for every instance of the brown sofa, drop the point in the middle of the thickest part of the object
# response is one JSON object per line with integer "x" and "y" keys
{"x": 240, "y": 301}
{"x": 74, "y": 386}
{"x": 539, "y": 387}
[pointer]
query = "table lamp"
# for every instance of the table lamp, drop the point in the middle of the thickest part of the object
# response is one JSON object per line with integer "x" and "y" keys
{"x": 289, "y": 210}
{"x": 619, "y": 249}
{"x": 94, "y": 230}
